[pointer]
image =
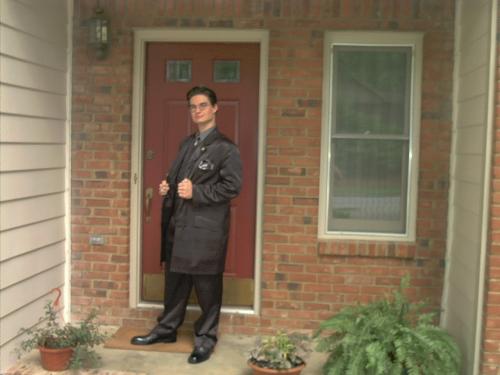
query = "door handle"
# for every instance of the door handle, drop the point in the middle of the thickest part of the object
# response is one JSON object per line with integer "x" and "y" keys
{"x": 147, "y": 205}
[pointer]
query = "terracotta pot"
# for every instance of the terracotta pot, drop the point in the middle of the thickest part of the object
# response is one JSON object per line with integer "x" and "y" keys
{"x": 55, "y": 359}
{"x": 266, "y": 371}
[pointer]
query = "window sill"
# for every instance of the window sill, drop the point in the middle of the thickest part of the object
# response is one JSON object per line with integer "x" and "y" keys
{"x": 367, "y": 249}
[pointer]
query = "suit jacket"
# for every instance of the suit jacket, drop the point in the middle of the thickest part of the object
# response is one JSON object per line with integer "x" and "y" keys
{"x": 195, "y": 231}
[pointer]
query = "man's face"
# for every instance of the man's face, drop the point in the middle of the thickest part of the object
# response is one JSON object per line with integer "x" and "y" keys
{"x": 202, "y": 112}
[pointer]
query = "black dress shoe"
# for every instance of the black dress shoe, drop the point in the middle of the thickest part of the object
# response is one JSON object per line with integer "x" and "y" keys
{"x": 160, "y": 317}
{"x": 199, "y": 355}
{"x": 152, "y": 338}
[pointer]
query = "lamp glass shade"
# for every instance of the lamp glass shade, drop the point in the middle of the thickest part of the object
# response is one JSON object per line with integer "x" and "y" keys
{"x": 98, "y": 29}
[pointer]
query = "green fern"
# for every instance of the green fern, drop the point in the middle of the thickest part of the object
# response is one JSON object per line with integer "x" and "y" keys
{"x": 389, "y": 336}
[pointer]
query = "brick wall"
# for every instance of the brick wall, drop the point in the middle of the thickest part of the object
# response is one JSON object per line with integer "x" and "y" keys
{"x": 491, "y": 322}
{"x": 303, "y": 281}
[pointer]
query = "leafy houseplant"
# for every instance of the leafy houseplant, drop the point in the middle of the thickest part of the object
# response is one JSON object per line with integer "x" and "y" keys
{"x": 76, "y": 342}
{"x": 390, "y": 336}
{"x": 279, "y": 354}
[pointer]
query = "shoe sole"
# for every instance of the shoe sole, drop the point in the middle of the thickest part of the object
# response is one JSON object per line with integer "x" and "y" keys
{"x": 167, "y": 341}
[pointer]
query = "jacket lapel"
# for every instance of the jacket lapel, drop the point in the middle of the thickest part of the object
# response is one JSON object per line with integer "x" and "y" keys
{"x": 200, "y": 153}
{"x": 174, "y": 170}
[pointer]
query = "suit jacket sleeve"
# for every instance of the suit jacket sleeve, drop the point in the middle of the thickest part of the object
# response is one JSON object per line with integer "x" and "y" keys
{"x": 228, "y": 183}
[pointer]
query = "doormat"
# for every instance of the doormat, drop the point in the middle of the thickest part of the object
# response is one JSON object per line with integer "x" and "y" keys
{"x": 121, "y": 340}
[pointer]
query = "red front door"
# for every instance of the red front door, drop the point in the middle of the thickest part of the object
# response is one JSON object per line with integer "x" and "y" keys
{"x": 232, "y": 71}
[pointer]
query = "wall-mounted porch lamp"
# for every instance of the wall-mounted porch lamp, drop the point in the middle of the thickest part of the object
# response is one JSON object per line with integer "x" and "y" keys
{"x": 99, "y": 33}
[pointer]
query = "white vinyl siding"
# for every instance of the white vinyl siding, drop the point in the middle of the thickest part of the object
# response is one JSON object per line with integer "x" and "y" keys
{"x": 469, "y": 159}
{"x": 34, "y": 107}
{"x": 370, "y": 135}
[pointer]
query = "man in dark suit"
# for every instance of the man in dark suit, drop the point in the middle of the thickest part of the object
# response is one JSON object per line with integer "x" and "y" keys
{"x": 203, "y": 179}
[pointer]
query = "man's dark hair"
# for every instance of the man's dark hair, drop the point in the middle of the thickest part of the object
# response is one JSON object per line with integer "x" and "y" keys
{"x": 202, "y": 90}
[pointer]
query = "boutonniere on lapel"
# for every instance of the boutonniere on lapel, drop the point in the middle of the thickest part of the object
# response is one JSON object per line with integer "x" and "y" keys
{"x": 206, "y": 165}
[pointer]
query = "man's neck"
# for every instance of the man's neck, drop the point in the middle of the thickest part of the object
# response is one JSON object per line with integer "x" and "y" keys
{"x": 204, "y": 127}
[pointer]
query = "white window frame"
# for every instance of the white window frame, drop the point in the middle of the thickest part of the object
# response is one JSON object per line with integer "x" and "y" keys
{"x": 373, "y": 39}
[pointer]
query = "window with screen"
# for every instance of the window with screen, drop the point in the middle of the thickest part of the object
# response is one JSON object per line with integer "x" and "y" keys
{"x": 368, "y": 174}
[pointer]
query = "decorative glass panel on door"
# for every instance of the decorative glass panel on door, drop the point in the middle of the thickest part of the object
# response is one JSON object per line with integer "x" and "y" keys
{"x": 178, "y": 71}
{"x": 227, "y": 71}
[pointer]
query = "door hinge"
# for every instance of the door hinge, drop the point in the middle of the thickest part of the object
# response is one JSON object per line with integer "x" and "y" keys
{"x": 135, "y": 178}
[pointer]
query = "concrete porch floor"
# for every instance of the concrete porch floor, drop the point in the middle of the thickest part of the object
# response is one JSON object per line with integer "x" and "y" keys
{"x": 229, "y": 359}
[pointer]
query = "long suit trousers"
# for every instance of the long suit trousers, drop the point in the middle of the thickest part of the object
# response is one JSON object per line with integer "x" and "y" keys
{"x": 208, "y": 290}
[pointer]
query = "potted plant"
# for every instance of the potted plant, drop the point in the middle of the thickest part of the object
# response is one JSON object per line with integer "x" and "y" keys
{"x": 389, "y": 336}
{"x": 282, "y": 353}
{"x": 63, "y": 345}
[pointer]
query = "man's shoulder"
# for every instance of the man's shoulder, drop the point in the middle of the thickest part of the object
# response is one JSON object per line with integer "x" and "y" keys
{"x": 226, "y": 140}
{"x": 223, "y": 139}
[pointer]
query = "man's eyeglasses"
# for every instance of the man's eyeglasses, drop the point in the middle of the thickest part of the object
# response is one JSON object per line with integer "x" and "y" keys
{"x": 201, "y": 106}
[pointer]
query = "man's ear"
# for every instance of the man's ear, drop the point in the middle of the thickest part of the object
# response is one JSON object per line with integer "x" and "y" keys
{"x": 216, "y": 107}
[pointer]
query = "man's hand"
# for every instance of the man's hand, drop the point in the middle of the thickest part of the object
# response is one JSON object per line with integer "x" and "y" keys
{"x": 163, "y": 188}
{"x": 185, "y": 189}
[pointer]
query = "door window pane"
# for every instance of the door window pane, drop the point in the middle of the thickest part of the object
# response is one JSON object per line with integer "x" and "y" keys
{"x": 226, "y": 71}
{"x": 179, "y": 71}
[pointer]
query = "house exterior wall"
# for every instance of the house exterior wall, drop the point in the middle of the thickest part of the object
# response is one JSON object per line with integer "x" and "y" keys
{"x": 469, "y": 175}
{"x": 34, "y": 112}
{"x": 491, "y": 317}
{"x": 303, "y": 280}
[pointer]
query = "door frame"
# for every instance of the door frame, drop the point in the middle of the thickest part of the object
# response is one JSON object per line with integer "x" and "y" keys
{"x": 141, "y": 37}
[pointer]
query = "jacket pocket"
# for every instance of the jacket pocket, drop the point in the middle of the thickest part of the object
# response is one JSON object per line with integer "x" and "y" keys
{"x": 206, "y": 223}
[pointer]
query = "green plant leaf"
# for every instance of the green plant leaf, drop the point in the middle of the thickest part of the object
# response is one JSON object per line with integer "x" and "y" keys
{"x": 50, "y": 332}
{"x": 387, "y": 336}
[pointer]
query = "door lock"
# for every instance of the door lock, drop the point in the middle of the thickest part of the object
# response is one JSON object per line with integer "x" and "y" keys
{"x": 147, "y": 204}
